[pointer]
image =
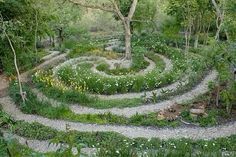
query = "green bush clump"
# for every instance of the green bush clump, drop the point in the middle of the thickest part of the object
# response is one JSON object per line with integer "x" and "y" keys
{"x": 138, "y": 63}
{"x": 81, "y": 48}
{"x": 210, "y": 119}
{"x": 106, "y": 85}
{"x": 34, "y": 130}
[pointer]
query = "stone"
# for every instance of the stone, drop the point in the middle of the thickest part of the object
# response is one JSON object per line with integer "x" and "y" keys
{"x": 198, "y": 112}
{"x": 160, "y": 115}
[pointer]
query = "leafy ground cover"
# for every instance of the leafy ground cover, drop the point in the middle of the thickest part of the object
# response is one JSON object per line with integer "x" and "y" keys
{"x": 112, "y": 144}
{"x": 45, "y": 109}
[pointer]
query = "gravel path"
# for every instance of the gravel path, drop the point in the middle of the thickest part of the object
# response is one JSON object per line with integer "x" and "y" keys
{"x": 150, "y": 67}
{"x": 48, "y": 63}
{"x": 51, "y": 55}
{"x": 3, "y": 82}
{"x": 144, "y": 109}
{"x": 43, "y": 146}
{"x": 51, "y": 60}
{"x": 3, "y": 85}
{"x": 168, "y": 67}
{"x": 128, "y": 131}
{"x": 74, "y": 62}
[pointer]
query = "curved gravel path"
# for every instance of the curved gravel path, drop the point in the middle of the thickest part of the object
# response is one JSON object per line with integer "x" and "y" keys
{"x": 43, "y": 146}
{"x": 168, "y": 67}
{"x": 54, "y": 60}
{"x": 148, "y": 69}
{"x": 144, "y": 109}
{"x": 75, "y": 61}
{"x": 50, "y": 55}
{"x": 128, "y": 131}
{"x": 4, "y": 83}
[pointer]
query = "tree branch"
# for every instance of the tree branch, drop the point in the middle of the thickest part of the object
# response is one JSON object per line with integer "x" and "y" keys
{"x": 217, "y": 8}
{"x": 86, "y": 5}
{"x": 117, "y": 11}
{"x": 132, "y": 9}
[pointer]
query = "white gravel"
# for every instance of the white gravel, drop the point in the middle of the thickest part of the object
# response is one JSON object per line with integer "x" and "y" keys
{"x": 43, "y": 146}
{"x": 128, "y": 131}
{"x": 143, "y": 109}
{"x": 50, "y": 55}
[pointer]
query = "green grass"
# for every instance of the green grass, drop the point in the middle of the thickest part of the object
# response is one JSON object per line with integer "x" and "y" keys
{"x": 34, "y": 106}
{"x": 70, "y": 96}
{"x": 86, "y": 100}
{"x": 113, "y": 144}
{"x": 63, "y": 112}
{"x": 138, "y": 63}
{"x": 110, "y": 143}
{"x": 102, "y": 85}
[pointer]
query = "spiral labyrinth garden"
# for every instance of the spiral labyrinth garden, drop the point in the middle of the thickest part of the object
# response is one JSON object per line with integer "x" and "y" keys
{"x": 95, "y": 87}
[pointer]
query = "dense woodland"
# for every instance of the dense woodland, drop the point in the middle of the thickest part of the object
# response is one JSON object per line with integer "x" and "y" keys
{"x": 123, "y": 66}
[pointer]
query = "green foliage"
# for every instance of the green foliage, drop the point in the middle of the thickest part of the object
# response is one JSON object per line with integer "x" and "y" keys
{"x": 3, "y": 147}
{"x": 113, "y": 144}
{"x": 81, "y": 48}
{"x": 104, "y": 85}
{"x": 34, "y": 130}
{"x": 210, "y": 119}
{"x": 229, "y": 98}
{"x": 6, "y": 120}
{"x": 19, "y": 23}
{"x": 138, "y": 63}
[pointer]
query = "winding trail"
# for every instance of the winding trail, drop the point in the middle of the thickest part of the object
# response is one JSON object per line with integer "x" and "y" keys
{"x": 128, "y": 131}
{"x": 92, "y": 59}
{"x": 168, "y": 67}
{"x": 51, "y": 55}
{"x": 96, "y": 59}
{"x": 50, "y": 62}
{"x": 4, "y": 83}
{"x": 43, "y": 146}
{"x": 144, "y": 109}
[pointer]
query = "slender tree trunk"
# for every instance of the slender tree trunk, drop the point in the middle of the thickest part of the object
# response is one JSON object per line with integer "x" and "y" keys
{"x": 176, "y": 44}
{"x": 60, "y": 37}
{"x": 217, "y": 36}
{"x": 217, "y": 95}
{"x": 36, "y": 31}
{"x": 196, "y": 40}
{"x": 220, "y": 17}
{"x": 227, "y": 35}
{"x": 16, "y": 67}
{"x": 53, "y": 41}
{"x": 128, "y": 35}
{"x": 207, "y": 33}
{"x": 186, "y": 41}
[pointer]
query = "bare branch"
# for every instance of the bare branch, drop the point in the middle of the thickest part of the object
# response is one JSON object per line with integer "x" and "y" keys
{"x": 86, "y": 5}
{"x": 132, "y": 9}
{"x": 117, "y": 10}
{"x": 216, "y": 7}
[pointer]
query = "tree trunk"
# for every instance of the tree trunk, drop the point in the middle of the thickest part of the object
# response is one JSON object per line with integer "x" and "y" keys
{"x": 186, "y": 41}
{"x": 217, "y": 36}
{"x": 128, "y": 35}
{"x": 227, "y": 35}
{"x": 16, "y": 67}
{"x": 36, "y": 31}
{"x": 196, "y": 40}
{"x": 60, "y": 36}
{"x": 220, "y": 18}
{"x": 217, "y": 95}
{"x": 53, "y": 41}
